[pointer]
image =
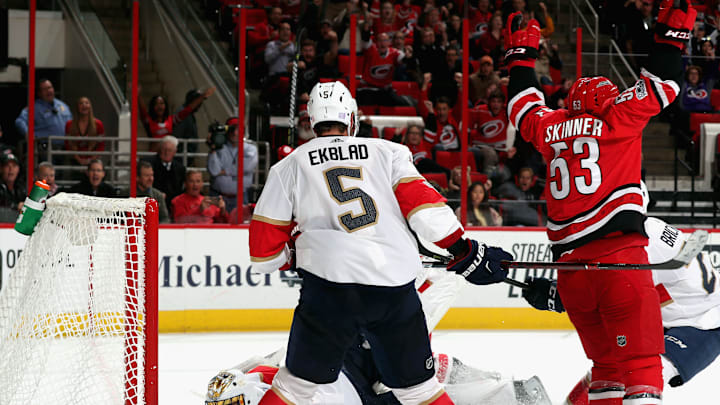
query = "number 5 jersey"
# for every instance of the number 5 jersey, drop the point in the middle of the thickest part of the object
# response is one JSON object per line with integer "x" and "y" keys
{"x": 349, "y": 199}
{"x": 594, "y": 160}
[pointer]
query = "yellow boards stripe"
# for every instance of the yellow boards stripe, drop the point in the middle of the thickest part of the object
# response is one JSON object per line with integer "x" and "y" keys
{"x": 280, "y": 319}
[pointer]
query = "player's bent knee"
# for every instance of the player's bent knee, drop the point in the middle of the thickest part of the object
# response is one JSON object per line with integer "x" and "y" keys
{"x": 425, "y": 393}
{"x": 642, "y": 395}
{"x": 289, "y": 389}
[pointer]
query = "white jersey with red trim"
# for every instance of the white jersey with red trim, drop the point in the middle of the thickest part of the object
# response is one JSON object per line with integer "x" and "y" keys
{"x": 690, "y": 295}
{"x": 350, "y": 199}
{"x": 594, "y": 160}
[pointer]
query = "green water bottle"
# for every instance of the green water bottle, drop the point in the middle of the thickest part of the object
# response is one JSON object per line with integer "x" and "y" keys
{"x": 33, "y": 208}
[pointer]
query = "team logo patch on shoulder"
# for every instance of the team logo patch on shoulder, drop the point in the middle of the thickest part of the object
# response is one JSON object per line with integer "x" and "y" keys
{"x": 640, "y": 90}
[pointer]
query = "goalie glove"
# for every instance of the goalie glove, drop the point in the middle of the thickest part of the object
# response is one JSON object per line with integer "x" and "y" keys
{"x": 675, "y": 23}
{"x": 480, "y": 264}
{"x": 543, "y": 294}
{"x": 521, "y": 44}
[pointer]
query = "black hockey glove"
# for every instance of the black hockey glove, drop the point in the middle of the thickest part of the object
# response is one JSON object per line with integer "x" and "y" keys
{"x": 480, "y": 264}
{"x": 543, "y": 294}
{"x": 675, "y": 22}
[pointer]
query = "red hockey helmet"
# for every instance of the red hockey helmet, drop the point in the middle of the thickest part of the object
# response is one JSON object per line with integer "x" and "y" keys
{"x": 587, "y": 94}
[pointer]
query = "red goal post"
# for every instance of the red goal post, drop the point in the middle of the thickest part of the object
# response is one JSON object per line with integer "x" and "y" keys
{"x": 79, "y": 314}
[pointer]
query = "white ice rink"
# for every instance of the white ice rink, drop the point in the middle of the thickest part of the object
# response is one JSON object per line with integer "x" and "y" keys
{"x": 188, "y": 361}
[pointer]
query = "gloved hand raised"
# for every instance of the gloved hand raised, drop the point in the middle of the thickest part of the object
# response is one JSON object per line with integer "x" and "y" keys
{"x": 480, "y": 264}
{"x": 675, "y": 22}
{"x": 521, "y": 44}
{"x": 543, "y": 294}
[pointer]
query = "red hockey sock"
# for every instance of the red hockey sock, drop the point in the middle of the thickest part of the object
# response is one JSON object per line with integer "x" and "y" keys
{"x": 273, "y": 398}
{"x": 443, "y": 399}
{"x": 606, "y": 393}
{"x": 579, "y": 393}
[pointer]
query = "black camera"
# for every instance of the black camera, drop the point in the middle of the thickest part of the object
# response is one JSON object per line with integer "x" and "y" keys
{"x": 218, "y": 135}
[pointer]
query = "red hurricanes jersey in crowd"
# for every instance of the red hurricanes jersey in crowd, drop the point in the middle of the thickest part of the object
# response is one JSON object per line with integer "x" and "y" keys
{"x": 488, "y": 129}
{"x": 407, "y": 16}
{"x": 594, "y": 161}
{"x": 378, "y": 70}
{"x": 379, "y": 27}
{"x": 479, "y": 23}
{"x": 439, "y": 132}
{"x": 420, "y": 152}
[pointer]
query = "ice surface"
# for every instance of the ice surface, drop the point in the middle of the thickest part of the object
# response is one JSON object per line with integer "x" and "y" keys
{"x": 188, "y": 361}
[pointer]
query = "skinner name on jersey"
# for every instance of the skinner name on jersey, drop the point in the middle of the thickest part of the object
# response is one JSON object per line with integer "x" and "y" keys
{"x": 344, "y": 152}
{"x": 578, "y": 126}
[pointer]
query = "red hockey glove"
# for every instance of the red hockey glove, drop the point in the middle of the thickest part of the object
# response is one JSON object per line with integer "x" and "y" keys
{"x": 675, "y": 22}
{"x": 521, "y": 44}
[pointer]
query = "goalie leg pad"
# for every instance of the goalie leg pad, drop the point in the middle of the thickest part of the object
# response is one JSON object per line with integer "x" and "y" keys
{"x": 690, "y": 350}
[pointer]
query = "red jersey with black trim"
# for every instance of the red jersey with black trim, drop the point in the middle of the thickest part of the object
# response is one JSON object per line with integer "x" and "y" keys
{"x": 379, "y": 69}
{"x": 379, "y": 27}
{"x": 419, "y": 152}
{"x": 407, "y": 16}
{"x": 479, "y": 23}
{"x": 488, "y": 129}
{"x": 594, "y": 161}
{"x": 441, "y": 132}
{"x": 351, "y": 200}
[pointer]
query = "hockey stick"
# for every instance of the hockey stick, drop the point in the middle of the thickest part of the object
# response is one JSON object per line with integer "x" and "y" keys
{"x": 442, "y": 261}
{"x": 293, "y": 85}
{"x": 690, "y": 248}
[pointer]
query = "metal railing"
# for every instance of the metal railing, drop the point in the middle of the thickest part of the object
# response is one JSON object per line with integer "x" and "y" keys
{"x": 592, "y": 27}
{"x": 117, "y": 164}
{"x": 614, "y": 72}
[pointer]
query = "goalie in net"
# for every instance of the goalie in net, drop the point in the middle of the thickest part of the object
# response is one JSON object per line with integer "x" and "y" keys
{"x": 359, "y": 382}
{"x": 78, "y": 316}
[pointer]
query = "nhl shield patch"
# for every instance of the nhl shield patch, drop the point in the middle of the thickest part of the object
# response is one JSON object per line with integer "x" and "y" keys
{"x": 621, "y": 340}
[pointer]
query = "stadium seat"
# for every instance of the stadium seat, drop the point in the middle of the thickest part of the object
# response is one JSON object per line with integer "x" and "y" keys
{"x": 438, "y": 178}
{"x": 389, "y": 133}
{"x": 368, "y": 109}
{"x": 449, "y": 160}
{"x": 407, "y": 89}
{"x": 344, "y": 64}
{"x": 477, "y": 177}
{"x": 715, "y": 99}
{"x": 698, "y": 118}
{"x": 375, "y": 132}
{"x": 405, "y": 111}
{"x": 255, "y": 16}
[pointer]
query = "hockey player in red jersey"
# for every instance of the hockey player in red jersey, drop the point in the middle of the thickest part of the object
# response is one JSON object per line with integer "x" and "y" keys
{"x": 353, "y": 202}
{"x": 594, "y": 201}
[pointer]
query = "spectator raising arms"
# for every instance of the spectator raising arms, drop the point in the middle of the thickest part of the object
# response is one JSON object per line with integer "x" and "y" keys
{"x": 94, "y": 183}
{"x": 380, "y": 62}
{"x": 84, "y": 124}
{"x": 479, "y": 212}
{"x": 193, "y": 207}
{"x": 157, "y": 120}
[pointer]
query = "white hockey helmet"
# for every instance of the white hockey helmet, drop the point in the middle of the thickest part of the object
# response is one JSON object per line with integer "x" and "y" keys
{"x": 332, "y": 102}
{"x": 234, "y": 387}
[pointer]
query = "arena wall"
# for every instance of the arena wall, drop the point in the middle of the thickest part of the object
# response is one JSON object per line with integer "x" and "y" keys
{"x": 207, "y": 283}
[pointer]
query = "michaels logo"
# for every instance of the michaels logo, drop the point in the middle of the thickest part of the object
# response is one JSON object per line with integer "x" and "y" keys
{"x": 175, "y": 273}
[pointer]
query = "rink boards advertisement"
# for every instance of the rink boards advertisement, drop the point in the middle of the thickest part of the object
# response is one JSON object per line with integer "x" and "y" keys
{"x": 206, "y": 283}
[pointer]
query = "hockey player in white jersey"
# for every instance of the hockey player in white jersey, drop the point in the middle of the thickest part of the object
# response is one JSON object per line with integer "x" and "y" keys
{"x": 350, "y": 199}
{"x": 357, "y": 383}
{"x": 690, "y": 306}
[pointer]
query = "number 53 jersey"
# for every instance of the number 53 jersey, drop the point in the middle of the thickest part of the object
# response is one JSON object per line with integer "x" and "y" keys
{"x": 593, "y": 160}
{"x": 349, "y": 199}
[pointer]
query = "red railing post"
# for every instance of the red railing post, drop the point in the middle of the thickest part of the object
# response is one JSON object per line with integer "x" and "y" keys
{"x": 31, "y": 97}
{"x": 134, "y": 100}
{"x": 465, "y": 132}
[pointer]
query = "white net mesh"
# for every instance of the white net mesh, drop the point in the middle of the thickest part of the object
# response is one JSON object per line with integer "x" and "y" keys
{"x": 72, "y": 317}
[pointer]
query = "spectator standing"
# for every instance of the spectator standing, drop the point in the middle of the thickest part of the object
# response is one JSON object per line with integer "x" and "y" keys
{"x": 12, "y": 191}
{"x": 46, "y": 172}
{"x": 94, "y": 184}
{"x": 84, "y": 124}
{"x": 223, "y": 167}
{"x": 157, "y": 120}
{"x": 193, "y": 207}
{"x": 479, "y": 211}
{"x": 380, "y": 62}
{"x": 409, "y": 68}
{"x": 187, "y": 128}
{"x": 387, "y": 23}
{"x": 490, "y": 42}
{"x": 441, "y": 130}
{"x": 481, "y": 80}
{"x": 546, "y": 22}
{"x": 51, "y": 114}
{"x": 429, "y": 52}
{"x": 144, "y": 187}
{"x": 480, "y": 19}
{"x": 168, "y": 171}
{"x": 443, "y": 83}
{"x": 488, "y": 132}
{"x": 407, "y": 14}
{"x": 278, "y": 54}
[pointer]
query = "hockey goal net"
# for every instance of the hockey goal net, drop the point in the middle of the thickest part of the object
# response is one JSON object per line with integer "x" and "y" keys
{"x": 78, "y": 316}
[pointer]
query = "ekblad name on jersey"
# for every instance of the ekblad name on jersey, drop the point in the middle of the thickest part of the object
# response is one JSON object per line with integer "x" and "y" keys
{"x": 594, "y": 160}
{"x": 356, "y": 195}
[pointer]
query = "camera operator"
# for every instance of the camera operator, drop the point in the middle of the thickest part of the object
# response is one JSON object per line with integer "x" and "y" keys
{"x": 223, "y": 161}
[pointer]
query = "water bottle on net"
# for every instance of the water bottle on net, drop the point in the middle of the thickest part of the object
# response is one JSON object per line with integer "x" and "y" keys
{"x": 33, "y": 208}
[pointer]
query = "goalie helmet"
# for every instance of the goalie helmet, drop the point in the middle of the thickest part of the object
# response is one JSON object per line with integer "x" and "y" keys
{"x": 588, "y": 94}
{"x": 332, "y": 102}
{"x": 234, "y": 387}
